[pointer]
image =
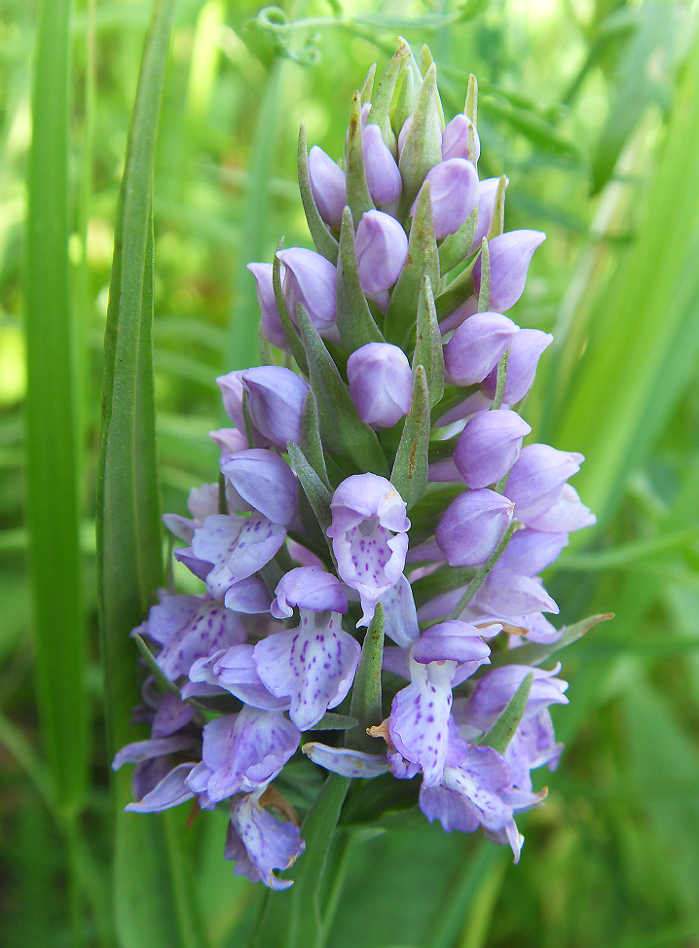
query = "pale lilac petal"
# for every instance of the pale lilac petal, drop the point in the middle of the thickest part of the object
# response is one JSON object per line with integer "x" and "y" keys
{"x": 346, "y": 762}
{"x": 237, "y": 547}
{"x": 264, "y": 288}
{"x": 205, "y": 630}
{"x": 529, "y": 551}
{"x": 380, "y": 383}
{"x": 382, "y": 175}
{"x": 382, "y": 248}
{"x": 496, "y": 688}
{"x": 537, "y": 479}
{"x": 139, "y": 751}
{"x": 510, "y": 256}
{"x": 453, "y": 195}
{"x": 314, "y": 665}
{"x": 328, "y": 186}
{"x": 472, "y": 526}
{"x": 259, "y": 844}
{"x": 505, "y": 593}
{"x": 171, "y": 715}
{"x": 276, "y": 397}
{"x": 310, "y": 280}
{"x": 418, "y": 724}
{"x": 265, "y": 480}
{"x": 249, "y": 596}
{"x": 456, "y": 138}
{"x": 488, "y": 189}
{"x": 308, "y": 587}
{"x": 568, "y": 513}
{"x": 477, "y": 345}
{"x": 401, "y": 625}
{"x": 245, "y": 751}
{"x": 170, "y": 791}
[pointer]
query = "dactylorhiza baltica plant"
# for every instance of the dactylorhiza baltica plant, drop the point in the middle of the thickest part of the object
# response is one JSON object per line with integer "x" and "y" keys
{"x": 374, "y": 541}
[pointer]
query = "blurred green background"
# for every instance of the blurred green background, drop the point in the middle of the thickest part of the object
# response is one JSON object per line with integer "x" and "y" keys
{"x": 591, "y": 107}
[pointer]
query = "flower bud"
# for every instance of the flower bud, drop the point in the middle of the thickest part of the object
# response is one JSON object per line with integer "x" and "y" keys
{"x": 453, "y": 194}
{"x": 380, "y": 383}
{"x": 271, "y": 324}
{"x": 308, "y": 587}
{"x": 537, "y": 478}
{"x": 455, "y": 139}
{"x": 328, "y": 186}
{"x": 472, "y": 527}
{"x": 476, "y": 347}
{"x": 276, "y": 397}
{"x": 510, "y": 256}
{"x": 525, "y": 351}
{"x": 312, "y": 281}
{"x": 489, "y": 445}
{"x": 568, "y": 513}
{"x": 382, "y": 247}
{"x": 529, "y": 552}
{"x": 232, "y": 397}
{"x": 382, "y": 175}
{"x": 266, "y": 481}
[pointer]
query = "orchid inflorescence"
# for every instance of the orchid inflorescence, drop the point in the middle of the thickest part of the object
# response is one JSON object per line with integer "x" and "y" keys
{"x": 389, "y": 387}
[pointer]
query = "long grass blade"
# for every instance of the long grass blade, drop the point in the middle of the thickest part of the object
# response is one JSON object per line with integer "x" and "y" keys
{"x": 51, "y": 412}
{"x": 636, "y": 365}
{"x": 152, "y": 902}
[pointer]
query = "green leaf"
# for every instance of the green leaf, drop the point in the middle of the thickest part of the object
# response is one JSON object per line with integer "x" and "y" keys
{"x": 502, "y": 732}
{"x": 151, "y": 662}
{"x": 354, "y": 321}
{"x": 636, "y": 364}
{"x": 428, "y": 346}
{"x": 381, "y": 103}
{"x": 335, "y": 722}
{"x": 324, "y": 241}
{"x": 455, "y": 247}
{"x": 316, "y": 491}
{"x": 366, "y": 690}
{"x": 311, "y": 445}
{"x": 358, "y": 197}
{"x": 409, "y": 474}
{"x": 534, "y": 653}
{"x": 367, "y": 89}
{"x": 422, "y": 260}
{"x": 153, "y": 903}
{"x": 497, "y": 225}
{"x": 342, "y": 430}
{"x": 484, "y": 292}
{"x": 52, "y": 420}
{"x": 422, "y": 149}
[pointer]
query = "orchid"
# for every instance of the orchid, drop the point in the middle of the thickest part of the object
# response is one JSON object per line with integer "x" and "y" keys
{"x": 384, "y": 380}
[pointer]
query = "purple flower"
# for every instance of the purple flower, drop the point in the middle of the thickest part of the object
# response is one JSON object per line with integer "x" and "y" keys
{"x": 525, "y": 351}
{"x": 313, "y": 665}
{"x": 567, "y": 513}
{"x": 265, "y": 480}
{"x": 344, "y": 761}
{"x": 276, "y": 396}
{"x": 382, "y": 247}
{"x": 242, "y": 752}
{"x": 497, "y": 687}
{"x": 382, "y": 175}
{"x": 188, "y": 628}
{"x": 505, "y": 594}
{"x": 368, "y": 531}
{"x": 311, "y": 280}
{"x": 537, "y": 478}
{"x": 232, "y": 670}
{"x": 471, "y": 794}
{"x": 460, "y": 139}
{"x": 258, "y": 843}
{"x": 489, "y": 445}
{"x": 401, "y": 625}
{"x": 476, "y": 347}
{"x": 472, "y": 527}
{"x": 237, "y": 547}
{"x": 380, "y": 383}
{"x": 202, "y": 503}
{"x": 264, "y": 288}
{"x": 529, "y": 552}
{"x": 328, "y": 186}
{"x": 308, "y": 587}
{"x": 510, "y": 255}
{"x": 453, "y": 194}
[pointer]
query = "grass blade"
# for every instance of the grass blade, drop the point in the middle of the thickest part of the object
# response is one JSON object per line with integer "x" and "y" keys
{"x": 152, "y": 902}
{"x": 51, "y": 420}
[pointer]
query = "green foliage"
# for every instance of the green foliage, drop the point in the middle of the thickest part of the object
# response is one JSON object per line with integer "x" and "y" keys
{"x": 616, "y": 282}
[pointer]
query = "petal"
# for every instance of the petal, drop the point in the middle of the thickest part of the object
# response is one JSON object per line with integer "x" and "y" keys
{"x": 346, "y": 762}
{"x": 170, "y": 791}
{"x": 314, "y": 665}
